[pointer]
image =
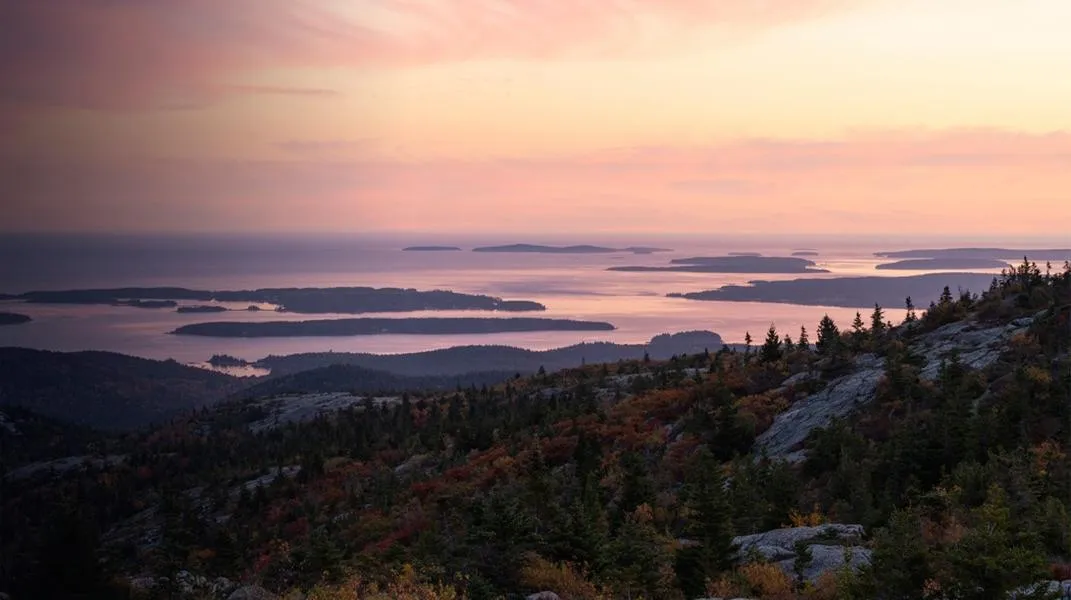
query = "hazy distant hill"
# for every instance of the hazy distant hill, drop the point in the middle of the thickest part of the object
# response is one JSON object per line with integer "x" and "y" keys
{"x": 106, "y": 390}
{"x": 926, "y": 264}
{"x": 579, "y": 249}
{"x": 467, "y": 359}
{"x": 1035, "y": 254}
{"x": 743, "y": 263}
{"x": 418, "y": 326}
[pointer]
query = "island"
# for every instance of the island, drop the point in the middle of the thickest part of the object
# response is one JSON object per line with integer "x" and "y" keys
{"x": 351, "y": 300}
{"x": 993, "y": 253}
{"x": 371, "y": 326}
{"x": 847, "y": 292}
{"x": 753, "y": 254}
{"x": 730, "y": 264}
{"x": 9, "y": 318}
{"x": 580, "y": 249}
{"x": 226, "y": 360}
{"x": 952, "y": 264}
{"x": 431, "y": 249}
{"x": 805, "y": 253}
{"x": 137, "y": 303}
{"x": 203, "y": 308}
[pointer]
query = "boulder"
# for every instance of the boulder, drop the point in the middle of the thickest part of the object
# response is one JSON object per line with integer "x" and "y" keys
{"x": 828, "y": 558}
{"x": 252, "y": 592}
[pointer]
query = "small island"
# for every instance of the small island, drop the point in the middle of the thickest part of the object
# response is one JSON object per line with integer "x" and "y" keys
{"x": 805, "y": 253}
{"x": 431, "y": 249}
{"x": 730, "y": 264}
{"x": 137, "y": 303}
{"x": 8, "y": 318}
{"x": 226, "y": 360}
{"x": 369, "y": 326}
{"x": 579, "y": 249}
{"x": 203, "y": 308}
{"x": 951, "y": 264}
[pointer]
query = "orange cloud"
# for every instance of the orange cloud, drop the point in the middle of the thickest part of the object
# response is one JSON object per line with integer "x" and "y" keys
{"x": 135, "y": 54}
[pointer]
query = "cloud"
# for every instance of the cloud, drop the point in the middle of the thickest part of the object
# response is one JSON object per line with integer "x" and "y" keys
{"x": 140, "y": 54}
{"x": 873, "y": 183}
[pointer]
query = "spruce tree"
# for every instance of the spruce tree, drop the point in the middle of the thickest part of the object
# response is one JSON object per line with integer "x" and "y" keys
{"x": 771, "y": 348}
{"x": 804, "y": 342}
{"x": 828, "y": 343}
{"x": 709, "y": 524}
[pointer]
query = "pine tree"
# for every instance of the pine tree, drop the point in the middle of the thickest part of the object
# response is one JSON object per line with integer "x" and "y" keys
{"x": 804, "y": 342}
{"x": 709, "y": 524}
{"x": 788, "y": 344}
{"x": 910, "y": 306}
{"x": 747, "y": 345}
{"x": 877, "y": 322}
{"x": 828, "y": 343}
{"x": 771, "y": 348}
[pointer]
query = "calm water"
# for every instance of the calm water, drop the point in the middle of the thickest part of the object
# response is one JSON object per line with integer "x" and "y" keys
{"x": 571, "y": 286}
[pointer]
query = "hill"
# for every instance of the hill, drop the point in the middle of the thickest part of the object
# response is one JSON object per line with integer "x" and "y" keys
{"x": 931, "y": 459}
{"x": 106, "y": 390}
{"x": 463, "y": 359}
{"x": 361, "y": 380}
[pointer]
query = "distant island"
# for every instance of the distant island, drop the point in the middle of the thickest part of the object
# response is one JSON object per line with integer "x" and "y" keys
{"x": 805, "y": 253}
{"x": 365, "y": 326}
{"x": 431, "y": 249}
{"x": 8, "y": 318}
{"x": 848, "y": 292}
{"x": 581, "y": 249}
{"x": 731, "y": 264}
{"x": 351, "y": 300}
{"x": 926, "y": 264}
{"x": 226, "y": 360}
{"x": 992, "y": 253}
{"x": 137, "y": 303}
{"x": 464, "y": 359}
{"x": 204, "y": 308}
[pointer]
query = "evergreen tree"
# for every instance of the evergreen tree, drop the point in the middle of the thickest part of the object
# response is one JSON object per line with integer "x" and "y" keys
{"x": 771, "y": 348}
{"x": 877, "y": 322}
{"x": 709, "y": 524}
{"x": 636, "y": 485}
{"x": 804, "y": 342}
{"x": 828, "y": 343}
{"x": 911, "y": 317}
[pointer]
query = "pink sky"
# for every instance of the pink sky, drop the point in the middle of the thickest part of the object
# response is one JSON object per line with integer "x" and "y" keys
{"x": 610, "y": 116}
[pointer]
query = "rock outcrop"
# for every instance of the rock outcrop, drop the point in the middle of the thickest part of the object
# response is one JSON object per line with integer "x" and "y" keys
{"x": 251, "y": 592}
{"x": 976, "y": 345}
{"x": 826, "y": 548}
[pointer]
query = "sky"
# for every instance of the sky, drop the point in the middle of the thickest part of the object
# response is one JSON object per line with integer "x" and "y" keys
{"x": 811, "y": 117}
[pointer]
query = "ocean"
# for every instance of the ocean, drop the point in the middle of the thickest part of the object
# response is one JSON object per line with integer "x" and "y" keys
{"x": 571, "y": 286}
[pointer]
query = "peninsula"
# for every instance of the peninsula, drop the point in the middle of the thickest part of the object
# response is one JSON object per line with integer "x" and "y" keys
{"x": 848, "y": 292}
{"x": 204, "y": 308}
{"x": 731, "y": 264}
{"x": 369, "y": 326}
{"x": 7, "y": 318}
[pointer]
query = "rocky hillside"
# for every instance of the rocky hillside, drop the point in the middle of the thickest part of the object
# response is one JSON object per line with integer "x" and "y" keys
{"x": 929, "y": 459}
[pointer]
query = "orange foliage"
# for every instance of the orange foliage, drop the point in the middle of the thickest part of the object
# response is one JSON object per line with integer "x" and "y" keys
{"x": 811, "y": 519}
{"x": 758, "y": 580}
{"x": 568, "y": 582}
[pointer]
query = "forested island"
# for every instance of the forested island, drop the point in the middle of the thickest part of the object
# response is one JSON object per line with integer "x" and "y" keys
{"x": 805, "y": 253}
{"x": 579, "y": 249}
{"x": 850, "y": 292}
{"x": 731, "y": 264}
{"x": 431, "y": 249}
{"x": 364, "y": 326}
{"x": 927, "y": 264}
{"x": 9, "y": 318}
{"x": 298, "y": 300}
{"x": 1059, "y": 254}
{"x": 204, "y": 308}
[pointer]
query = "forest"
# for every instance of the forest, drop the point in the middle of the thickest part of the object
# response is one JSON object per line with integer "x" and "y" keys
{"x": 949, "y": 479}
